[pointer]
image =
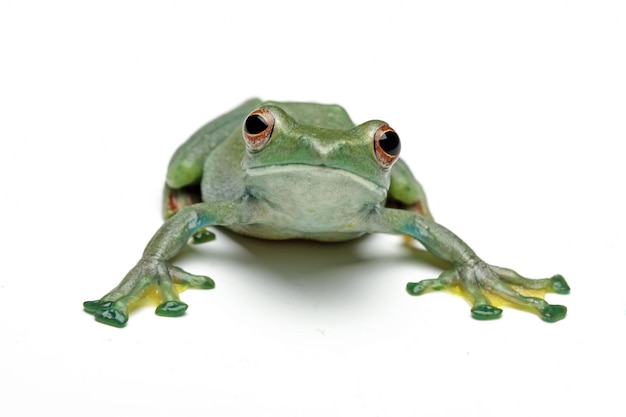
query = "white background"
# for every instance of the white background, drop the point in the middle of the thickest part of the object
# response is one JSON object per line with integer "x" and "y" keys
{"x": 512, "y": 115}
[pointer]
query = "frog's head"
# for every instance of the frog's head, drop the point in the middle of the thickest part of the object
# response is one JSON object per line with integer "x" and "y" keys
{"x": 275, "y": 142}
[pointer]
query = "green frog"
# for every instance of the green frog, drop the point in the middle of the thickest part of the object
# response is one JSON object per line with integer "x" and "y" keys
{"x": 305, "y": 171}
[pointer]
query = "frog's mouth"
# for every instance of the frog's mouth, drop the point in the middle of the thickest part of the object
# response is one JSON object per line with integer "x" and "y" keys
{"x": 323, "y": 173}
{"x": 314, "y": 184}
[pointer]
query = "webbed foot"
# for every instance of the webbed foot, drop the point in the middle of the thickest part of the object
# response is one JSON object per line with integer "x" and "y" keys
{"x": 484, "y": 284}
{"x": 149, "y": 273}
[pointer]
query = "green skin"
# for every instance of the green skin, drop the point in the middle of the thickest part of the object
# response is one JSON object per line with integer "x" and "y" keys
{"x": 312, "y": 174}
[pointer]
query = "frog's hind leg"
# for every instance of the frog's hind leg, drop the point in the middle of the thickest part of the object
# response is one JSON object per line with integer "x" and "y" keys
{"x": 405, "y": 192}
{"x": 176, "y": 199}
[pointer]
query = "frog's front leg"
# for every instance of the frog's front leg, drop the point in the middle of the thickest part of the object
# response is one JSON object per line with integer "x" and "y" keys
{"x": 155, "y": 270}
{"x": 472, "y": 275}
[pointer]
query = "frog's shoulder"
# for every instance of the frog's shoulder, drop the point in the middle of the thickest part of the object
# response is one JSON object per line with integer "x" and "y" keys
{"x": 328, "y": 116}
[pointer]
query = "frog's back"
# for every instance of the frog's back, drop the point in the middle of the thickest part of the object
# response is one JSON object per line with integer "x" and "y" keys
{"x": 328, "y": 116}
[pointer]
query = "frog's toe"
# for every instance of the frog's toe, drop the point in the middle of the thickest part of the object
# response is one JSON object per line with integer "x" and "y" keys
{"x": 417, "y": 288}
{"x": 556, "y": 283}
{"x": 172, "y": 308}
{"x": 92, "y": 306}
{"x": 186, "y": 279}
{"x": 111, "y": 316}
{"x": 553, "y": 312}
{"x": 446, "y": 280}
{"x": 107, "y": 312}
{"x": 202, "y": 236}
{"x": 559, "y": 285}
{"x": 486, "y": 312}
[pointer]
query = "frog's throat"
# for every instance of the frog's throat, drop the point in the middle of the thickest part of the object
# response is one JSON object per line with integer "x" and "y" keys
{"x": 310, "y": 201}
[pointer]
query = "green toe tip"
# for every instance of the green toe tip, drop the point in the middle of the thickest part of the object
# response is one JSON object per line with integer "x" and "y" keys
{"x": 202, "y": 236}
{"x": 112, "y": 317}
{"x": 559, "y": 285}
{"x": 171, "y": 309}
{"x": 486, "y": 312}
{"x": 415, "y": 288}
{"x": 207, "y": 284}
{"x": 553, "y": 313}
{"x": 92, "y": 306}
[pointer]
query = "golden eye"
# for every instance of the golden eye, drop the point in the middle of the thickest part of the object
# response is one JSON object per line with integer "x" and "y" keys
{"x": 257, "y": 129}
{"x": 386, "y": 146}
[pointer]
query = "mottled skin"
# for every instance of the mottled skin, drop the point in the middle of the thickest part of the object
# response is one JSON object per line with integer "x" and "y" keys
{"x": 302, "y": 170}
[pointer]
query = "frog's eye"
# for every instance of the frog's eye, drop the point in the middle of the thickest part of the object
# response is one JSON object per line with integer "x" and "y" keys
{"x": 258, "y": 128}
{"x": 386, "y": 146}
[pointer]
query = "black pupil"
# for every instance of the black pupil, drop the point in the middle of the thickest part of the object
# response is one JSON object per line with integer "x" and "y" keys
{"x": 255, "y": 124}
{"x": 390, "y": 143}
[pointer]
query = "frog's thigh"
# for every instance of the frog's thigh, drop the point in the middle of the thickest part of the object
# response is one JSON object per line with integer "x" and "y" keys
{"x": 405, "y": 192}
{"x": 176, "y": 199}
{"x": 185, "y": 167}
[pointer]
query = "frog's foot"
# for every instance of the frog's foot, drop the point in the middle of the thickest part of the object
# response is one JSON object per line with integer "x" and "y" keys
{"x": 149, "y": 273}
{"x": 482, "y": 284}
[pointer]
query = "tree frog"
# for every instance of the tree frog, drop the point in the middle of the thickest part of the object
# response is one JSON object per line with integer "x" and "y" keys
{"x": 302, "y": 170}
